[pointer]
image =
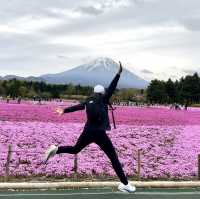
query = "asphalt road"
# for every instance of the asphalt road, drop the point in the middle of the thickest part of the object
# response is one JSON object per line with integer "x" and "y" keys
{"x": 103, "y": 194}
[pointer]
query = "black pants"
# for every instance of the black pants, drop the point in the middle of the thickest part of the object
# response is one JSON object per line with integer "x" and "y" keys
{"x": 102, "y": 140}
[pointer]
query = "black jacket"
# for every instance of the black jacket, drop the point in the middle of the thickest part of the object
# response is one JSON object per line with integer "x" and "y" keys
{"x": 106, "y": 97}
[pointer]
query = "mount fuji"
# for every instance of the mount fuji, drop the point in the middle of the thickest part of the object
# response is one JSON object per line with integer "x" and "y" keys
{"x": 100, "y": 71}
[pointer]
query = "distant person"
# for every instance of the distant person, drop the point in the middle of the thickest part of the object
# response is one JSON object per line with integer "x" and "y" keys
{"x": 40, "y": 101}
{"x": 95, "y": 129}
{"x": 186, "y": 105}
{"x": 177, "y": 107}
{"x": 7, "y": 99}
{"x": 19, "y": 100}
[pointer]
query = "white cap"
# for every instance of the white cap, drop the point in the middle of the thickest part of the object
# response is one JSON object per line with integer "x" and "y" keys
{"x": 99, "y": 89}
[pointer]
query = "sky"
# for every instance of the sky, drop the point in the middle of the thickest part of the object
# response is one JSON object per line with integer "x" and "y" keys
{"x": 152, "y": 38}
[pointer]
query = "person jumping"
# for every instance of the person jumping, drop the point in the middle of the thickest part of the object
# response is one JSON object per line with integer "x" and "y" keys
{"x": 95, "y": 129}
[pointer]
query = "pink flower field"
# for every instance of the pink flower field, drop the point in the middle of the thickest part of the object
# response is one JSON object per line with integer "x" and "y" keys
{"x": 169, "y": 141}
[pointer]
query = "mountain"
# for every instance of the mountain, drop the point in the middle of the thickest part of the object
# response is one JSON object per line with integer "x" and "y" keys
{"x": 100, "y": 71}
{"x": 8, "y": 77}
{"x": 30, "y": 78}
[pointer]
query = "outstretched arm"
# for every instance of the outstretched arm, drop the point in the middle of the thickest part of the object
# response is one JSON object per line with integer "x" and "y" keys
{"x": 113, "y": 84}
{"x": 71, "y": 109}
{"x": 77, "y": 107}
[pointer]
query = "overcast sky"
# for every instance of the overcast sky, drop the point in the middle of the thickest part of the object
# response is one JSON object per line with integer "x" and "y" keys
{"x": 153, "y": 38}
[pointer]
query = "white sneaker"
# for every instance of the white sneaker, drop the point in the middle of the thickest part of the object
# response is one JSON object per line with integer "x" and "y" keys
{"x": 126, "y": 188}
{"x": 51, "y": 151}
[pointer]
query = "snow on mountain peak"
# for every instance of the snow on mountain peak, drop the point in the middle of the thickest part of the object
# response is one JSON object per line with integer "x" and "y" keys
{"x": 101, "y": 62}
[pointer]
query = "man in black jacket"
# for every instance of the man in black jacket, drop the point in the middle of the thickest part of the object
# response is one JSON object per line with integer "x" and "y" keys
{"x": 95, "y": 129}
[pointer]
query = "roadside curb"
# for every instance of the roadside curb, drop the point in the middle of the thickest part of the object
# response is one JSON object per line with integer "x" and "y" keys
{"x": 64, "y": 185}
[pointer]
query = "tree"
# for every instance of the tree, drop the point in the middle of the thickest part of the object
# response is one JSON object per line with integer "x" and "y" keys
{"x": 13, "y": 88}
{"x": 190, "y": 88}
{"x": 70, "y": 90}
{"x": 2, "y": 90}
{"x": 23, "y": 91}
{"x": 171, "y": 91}
{"x": 156, "y": 92}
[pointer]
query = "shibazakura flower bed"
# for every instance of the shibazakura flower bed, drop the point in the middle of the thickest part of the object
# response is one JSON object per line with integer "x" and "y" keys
{"x": 168, "y": 139}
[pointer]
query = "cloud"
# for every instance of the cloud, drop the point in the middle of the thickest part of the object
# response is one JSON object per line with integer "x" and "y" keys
{"x": 147, "y": 71}
{"x": 29, "y": 24}
{"x": 63, "y": 57}
{"x": 125, "y": 15}
{"x": 90, "y": 10}
{"x": 55, "y": 34}
{"x": 27, "y": 54}
{"x": 192, "y": 24}
{"x": 189, "y": 71}
{"x": 174, "y": 77}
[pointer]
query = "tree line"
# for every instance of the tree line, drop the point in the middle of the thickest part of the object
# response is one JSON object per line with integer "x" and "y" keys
{"x": 28, "y": 89}
{"x": 15, "y": 88}
{"x": 186, "y": 90}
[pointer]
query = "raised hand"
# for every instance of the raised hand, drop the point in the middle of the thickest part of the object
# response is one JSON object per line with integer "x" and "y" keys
{"x": 120, "y": 68}
{"x": 59, "y": 111}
